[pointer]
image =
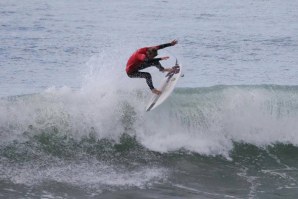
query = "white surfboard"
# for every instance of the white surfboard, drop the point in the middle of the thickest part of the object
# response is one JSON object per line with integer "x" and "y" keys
{"x": 166, "y": 88}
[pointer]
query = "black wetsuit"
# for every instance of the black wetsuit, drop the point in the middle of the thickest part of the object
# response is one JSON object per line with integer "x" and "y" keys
{"x": 146, "y": 75}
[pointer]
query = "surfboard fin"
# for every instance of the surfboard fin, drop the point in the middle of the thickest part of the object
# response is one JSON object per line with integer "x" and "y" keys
{"x": 176, "y": 64}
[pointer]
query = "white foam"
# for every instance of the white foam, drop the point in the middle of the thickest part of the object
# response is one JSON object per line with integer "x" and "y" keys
{"x": 210, "y": 124}
{"x": 91, "y": 175}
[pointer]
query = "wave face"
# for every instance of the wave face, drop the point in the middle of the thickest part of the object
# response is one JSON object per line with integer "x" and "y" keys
{"x": 210, "y": 120}
{"x": 202, "y": 120}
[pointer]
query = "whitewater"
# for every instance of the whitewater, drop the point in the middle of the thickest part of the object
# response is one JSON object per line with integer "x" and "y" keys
{"x": 202, "y": 120}
{"x": 73, "y": 125}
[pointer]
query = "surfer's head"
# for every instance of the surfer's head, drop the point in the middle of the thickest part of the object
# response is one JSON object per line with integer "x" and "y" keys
{"x": 151, "y": 52}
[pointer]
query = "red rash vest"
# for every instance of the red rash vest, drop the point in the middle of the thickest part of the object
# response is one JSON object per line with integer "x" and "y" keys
{"x": 138, "y": 57}
{"x": 135, "y": 60}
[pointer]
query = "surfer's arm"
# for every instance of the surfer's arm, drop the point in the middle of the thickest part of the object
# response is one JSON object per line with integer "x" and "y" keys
{"x": 163, "y": 46}
{"x": 155, "y": 62}
{"x": 151, "y": 61}
{"x": 165, "y": 69}
{"x": 172, "y": 43}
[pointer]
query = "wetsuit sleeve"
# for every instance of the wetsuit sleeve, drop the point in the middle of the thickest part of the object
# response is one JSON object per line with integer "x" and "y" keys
{"x": 163, "y": 46}
{"x": 150, "y": 61}
{"x": 155, "y": 62}
{"x": 159, "y": 66}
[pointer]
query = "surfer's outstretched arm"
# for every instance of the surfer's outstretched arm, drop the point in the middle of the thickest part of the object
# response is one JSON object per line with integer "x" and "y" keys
{"x": 172, "y": 43}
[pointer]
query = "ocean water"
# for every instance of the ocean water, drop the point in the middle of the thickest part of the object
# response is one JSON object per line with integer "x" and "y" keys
{"x": 73, "y": 125}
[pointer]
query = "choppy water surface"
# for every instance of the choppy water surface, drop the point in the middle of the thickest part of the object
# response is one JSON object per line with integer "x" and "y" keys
{"x": 73, "y": 125}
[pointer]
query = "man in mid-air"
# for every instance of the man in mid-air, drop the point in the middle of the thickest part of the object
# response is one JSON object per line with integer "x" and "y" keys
{"x": 144, "y": 58}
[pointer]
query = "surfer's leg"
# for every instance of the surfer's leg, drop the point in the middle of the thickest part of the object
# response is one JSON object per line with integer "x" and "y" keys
{"x": 144, "y": 65}
{"x": 145, "y": 75}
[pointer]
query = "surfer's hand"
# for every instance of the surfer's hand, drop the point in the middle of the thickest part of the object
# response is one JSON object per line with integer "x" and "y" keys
{"x": 174, "y": 42}
{"x": 165, "y": 58}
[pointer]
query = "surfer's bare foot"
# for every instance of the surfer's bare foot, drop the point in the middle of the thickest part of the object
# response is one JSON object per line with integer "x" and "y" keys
{"x": 155, "y": 91}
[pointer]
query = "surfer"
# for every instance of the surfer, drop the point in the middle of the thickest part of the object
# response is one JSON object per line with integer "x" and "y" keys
{"x": 144, "y": 58}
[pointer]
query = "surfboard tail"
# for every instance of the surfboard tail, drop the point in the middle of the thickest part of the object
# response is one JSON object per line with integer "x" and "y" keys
{"x": 150, "y": 107}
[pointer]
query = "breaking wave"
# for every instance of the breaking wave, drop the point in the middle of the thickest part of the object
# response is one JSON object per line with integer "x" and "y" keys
{"x": 202, "y": 120}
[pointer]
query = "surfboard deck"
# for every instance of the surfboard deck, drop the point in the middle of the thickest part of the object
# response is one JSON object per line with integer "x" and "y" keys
{"x": 166, "y": 88}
